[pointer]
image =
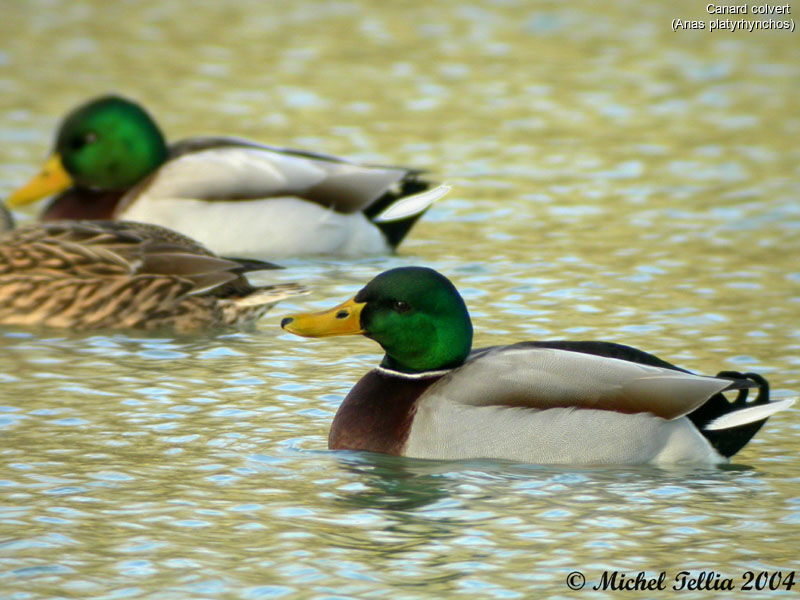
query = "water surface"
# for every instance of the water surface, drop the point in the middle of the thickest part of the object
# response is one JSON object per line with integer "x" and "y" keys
{"x": 612, "y": 179}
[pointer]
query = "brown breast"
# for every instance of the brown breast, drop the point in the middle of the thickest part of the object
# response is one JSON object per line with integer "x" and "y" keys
{"x": 377, "y": 413}
{"x": 79, "y": 203}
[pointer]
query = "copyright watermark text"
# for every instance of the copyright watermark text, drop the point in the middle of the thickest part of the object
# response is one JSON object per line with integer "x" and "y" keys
{"x": 684, "y": 581}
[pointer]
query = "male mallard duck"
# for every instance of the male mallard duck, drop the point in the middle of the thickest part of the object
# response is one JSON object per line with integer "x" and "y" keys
{"x": 554, "y": 402}
{"x": 236, "y": 197}
{"x": 116, "y": 274}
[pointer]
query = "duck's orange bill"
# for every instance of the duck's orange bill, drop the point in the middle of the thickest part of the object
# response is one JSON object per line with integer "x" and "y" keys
{"x": 344, "y": 319}
{"x": 52, "y": 179}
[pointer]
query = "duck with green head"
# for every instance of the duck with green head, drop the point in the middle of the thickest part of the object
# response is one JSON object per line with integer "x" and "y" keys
{"x": 558, "y": 402}
{"x": 236, "y": 197}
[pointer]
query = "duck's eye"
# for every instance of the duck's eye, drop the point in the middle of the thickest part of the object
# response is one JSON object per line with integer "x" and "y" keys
{"x": 401, "y": 306}
{"x": 80, "y": 141}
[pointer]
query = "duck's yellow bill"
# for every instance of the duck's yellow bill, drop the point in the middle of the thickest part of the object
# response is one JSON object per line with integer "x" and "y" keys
{"x": 52, "y": 179}
{"x": 344, "y": 319}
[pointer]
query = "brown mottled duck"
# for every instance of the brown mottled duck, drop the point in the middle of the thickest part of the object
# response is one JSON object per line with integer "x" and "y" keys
{"x": 124, "y": 275}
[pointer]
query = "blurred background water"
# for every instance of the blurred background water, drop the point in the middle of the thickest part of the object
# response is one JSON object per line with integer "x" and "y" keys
{"x": 612, "y": 179}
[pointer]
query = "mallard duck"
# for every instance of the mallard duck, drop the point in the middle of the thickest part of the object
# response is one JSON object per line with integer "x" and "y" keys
{"x": 557, "y": 402}
{"x": 116, "y": 274}
{"x": 234, "y": 196}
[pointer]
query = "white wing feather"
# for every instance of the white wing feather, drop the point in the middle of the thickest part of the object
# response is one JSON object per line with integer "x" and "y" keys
{"x": 233, "y": 173}
{"x": 412, "y": 205}
{"x": 257, "y": 173}
{"x": 546, "y": 378}
{"x": 751, "y": 414}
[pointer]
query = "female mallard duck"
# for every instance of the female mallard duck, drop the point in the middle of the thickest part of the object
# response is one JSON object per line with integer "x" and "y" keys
{"x": 539, "y": 402}
{"x": 236, "y": 197}
{"x": 116, "y": 274}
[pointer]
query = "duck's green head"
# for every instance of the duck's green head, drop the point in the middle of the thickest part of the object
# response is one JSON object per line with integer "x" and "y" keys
{"x": 414, "y": 313}
{"x": 109, "y": 143}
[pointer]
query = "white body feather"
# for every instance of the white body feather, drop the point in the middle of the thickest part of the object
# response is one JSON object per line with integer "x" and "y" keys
{"x": 248, "y": 202}
{"x": 274, "y": 227}
{"x": 444, "y": 429}
{"x": 542, "y": 405}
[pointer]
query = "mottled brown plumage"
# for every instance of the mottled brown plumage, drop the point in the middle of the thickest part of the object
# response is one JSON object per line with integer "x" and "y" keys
{"x": 120, "y": 275}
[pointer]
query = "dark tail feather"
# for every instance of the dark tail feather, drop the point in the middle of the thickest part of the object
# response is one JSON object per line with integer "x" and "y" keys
{"x": 729, "y": 441}
{"x": 395, "y": 231}
{"x": 252, "y": 264}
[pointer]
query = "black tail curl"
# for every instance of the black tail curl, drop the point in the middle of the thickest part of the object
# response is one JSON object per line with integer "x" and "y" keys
{"x": 395, "y": 231}
{"x": 729, "y": 441}
{"x": 726, "y": 441}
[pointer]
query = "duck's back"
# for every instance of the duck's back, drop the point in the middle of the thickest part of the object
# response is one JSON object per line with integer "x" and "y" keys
{"x": 245, "y": 199}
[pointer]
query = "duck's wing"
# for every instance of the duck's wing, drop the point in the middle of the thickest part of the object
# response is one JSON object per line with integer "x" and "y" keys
{"x": 67, "y": 248}
{"x": 232, "y": 169}
{"x": 104, "y": 250}
{"x": 163, "y": 235}
{"x": 529, "y": 376}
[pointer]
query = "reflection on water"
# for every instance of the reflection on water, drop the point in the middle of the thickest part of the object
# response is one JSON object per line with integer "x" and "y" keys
{"x": 612, "y": 180}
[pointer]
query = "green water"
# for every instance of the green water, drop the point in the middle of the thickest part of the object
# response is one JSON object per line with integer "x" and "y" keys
{"x": 612, "y": 179}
